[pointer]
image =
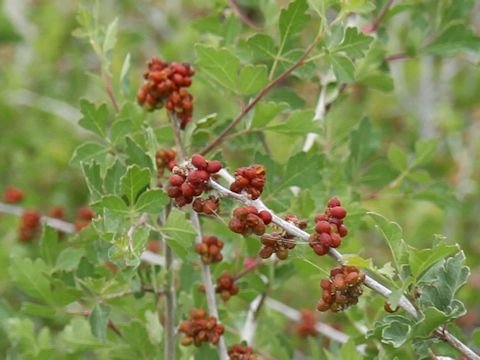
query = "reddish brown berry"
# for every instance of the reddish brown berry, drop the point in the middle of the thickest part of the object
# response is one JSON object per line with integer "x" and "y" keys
{"x": 338, "y": 212}
{"x": 199, "y": 162}
{"x": 214, "y": 166}
{"x": 12, "y": 195}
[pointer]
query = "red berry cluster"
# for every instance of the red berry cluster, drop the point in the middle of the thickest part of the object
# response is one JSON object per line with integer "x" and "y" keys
{"x": 206, "y": 206}
{"x": 12, "y": 195}
{"x": 29, "y": 225}
{"x": 306, "y": 326}
{"x": 280, "y": 243}
{"x": 210, "y": 249}
{"x": 186, "y": 183}
{"x": 342, "y": 289}
{"x": 329, "y": 228}
{"x": 247, "y": 220}
{"x": 200, "y": 329}
{"x": 165, "y": 85}
{"x": 84, "y": 216}
{"x": 165, "y": 158}
{"x": 226, "y": 286}
{"x": 241, "y": 352}
{"x": 251, "y": 179}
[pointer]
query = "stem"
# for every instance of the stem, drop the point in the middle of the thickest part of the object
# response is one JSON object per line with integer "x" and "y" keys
{"x": 242, "y": 16}
{"x": 221, "y": 137}
{"x": 111, "y": 94}
{"x": 376, "y": 23}
{"x": 369, "y": 282}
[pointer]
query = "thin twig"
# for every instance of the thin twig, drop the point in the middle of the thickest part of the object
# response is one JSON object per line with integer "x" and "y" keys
{"x": 376, "y": 23}
{"x": 369, "y": 282}
{"x": 242, "y": 16}
{"x": 111, "y": 94}
{"x": 221, "y": 137}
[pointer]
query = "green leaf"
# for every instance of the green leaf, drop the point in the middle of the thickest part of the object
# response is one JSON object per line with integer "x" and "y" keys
{"x": 69, "y": 259}
{"x": 134, "y": 181}
{"x": 48, "y": 244}
{"x": 120, "y": 129}
{"x": 88, "y": 152}
{"x": 358, "y": 6}
{"x": 152, "y": 201}
{"x": 424, "y": 150}
{"x": 91, "y": 171}
{"x": 114, "y": 210}
{"x": 179, "y": 233}
{"x": 76, "y": 336}
{"x": 22, "y": 331}
{"x": 30, "y": 277}
{"x": 396, "y": 333}
{"x": 137, "y": 155}
{"x": 342, "y": 67}
{"x": 262, "y": 46}
{"x": 98, "y": 320}
{"x": 110, "y": 36}
{"x": 392, "y": 232}
{"x": 432, "y": 318}
{"x": 453, "y": 40}
{"x": 113, "y": 176}
{"x": 440, "y": 284}
{"x": 349, "y": 351}
{"x": 266, "y": 112}
{"x": 252, "y": 78}
{"x": 292, "y": 20}
{"x": 421, "y": 260}
{"x": 154, "y": 328}
{"x": 219, "y": 65}
{"x": 376, "y": 80}
{"x": 397, "y": 157}
{"x": 94, "y": 119}
{"x": 299, "y": 122}
{"x": 354, "y": 43}
{"x": 45, "y": 311}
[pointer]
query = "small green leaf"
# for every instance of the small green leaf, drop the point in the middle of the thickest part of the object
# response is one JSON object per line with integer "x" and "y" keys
{"x": 69, "y": 259}
{"x": 432, "y": 318}
{"x": 424, "y": 150}
{"x": 219, "y": 65}
{"x": 113, "y": 176}
{"x": 94, "y": 119}
{"x": 120, "y": 129}
{"x": 98, "y": 320}
{"x": 292, "y": 20}
{"x": 299, "y": 122}
{"x": 266, "y": 112}
{"x": 88, "y": 152}
{"x": 134, "y": 181}
{"x": 77, "y": 336}
{"x": 262, "y": 46}
{"x": 152, "y": 201}
{"x": 421, "y": 260}
{"x": 397, "y": 157}
{"x": 397, "y": 331}
{"x": 342, "y": 67}
{"x": 179, "y": 233}
{"x": 48, "y": 244}
{"x": 392, "y": 232}
{"x": 354, "y": 43}
{"x": 110, "y": 36}
{"x": 30, "y": 277}
{"x": 154, "y": 328}
{"x": 349, "y": 351}
{"x": 454, "y": 39}
{"x": 91, "y": 171}
{"x": 137, "y": 155}
{"x": 252, "y": 78}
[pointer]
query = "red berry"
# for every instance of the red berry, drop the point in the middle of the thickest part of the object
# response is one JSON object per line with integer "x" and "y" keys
{"x": 265, "y": 216}
{"x": 176, "y": 180}
{"x": 187, "y": 190}
{"x": 338, "y": 212}
{"x": 199, "y": 162}
{"x": 214, "y": 166}
{"x": 342, "y": 230}
{"x": 323, "y": 227}
{"x": 173, "y": 191}
{"x": 336, "y": 240}
{"x": 13, "y": 195}
{"x": 333, "y": 202}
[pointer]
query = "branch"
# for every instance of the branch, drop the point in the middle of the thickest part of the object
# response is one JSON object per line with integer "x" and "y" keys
{"x": 369, "y": 282}
{"x": 376, "y": 23}
{"x": 321, "y": 328}
{"x": 242, "y": 16}
{"x": 221, "y": 137}
{"x": 111, "y": 94}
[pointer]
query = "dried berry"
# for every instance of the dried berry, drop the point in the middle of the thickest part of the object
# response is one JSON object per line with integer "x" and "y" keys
{"x": 342, "y": 289}
{"x": 246, "y": 220}
{"x": 226, "y": 286}
{"x": 210, "y": 249}
{"x": 241, "y": 352}
{"x": 12, "y": 195}
{"x": 29, "y": 225}
{"x": 251, "y": 179}
{"x": 306, "y": 325}
{"x": 200, "y": 329}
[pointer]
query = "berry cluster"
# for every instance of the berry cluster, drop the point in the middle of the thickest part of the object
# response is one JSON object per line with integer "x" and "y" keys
{"x": 200, "y": 329}
{"x": 226, "y": 286}
{"x": 165, "y": 158}
{"x": 329, "y": 228}
{"x": 280, "y": 243}
{"x": 251, "y": 179}
{"x": 206, "y": 206}
{"x": 12, "y": 195}
{"x": 165, "y": 85}
{"x": 306, "y": 326}
{"x": 247, "y": 220}
{"x": 241, "y": 352}
{"x": 84, "y": 216}
{"x": 190, "y": 181}
{"x": 29, "y": 225}
{"x": 210, "y": 249}
{"x": 342, "y": 289}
